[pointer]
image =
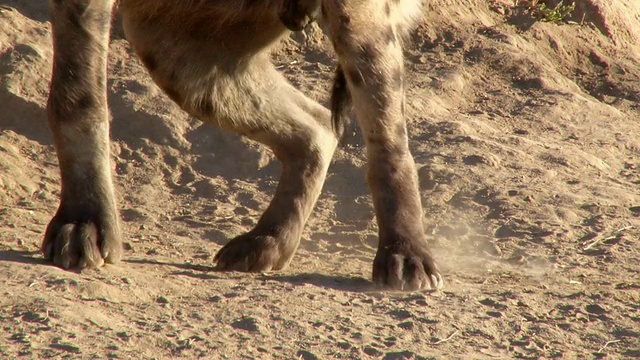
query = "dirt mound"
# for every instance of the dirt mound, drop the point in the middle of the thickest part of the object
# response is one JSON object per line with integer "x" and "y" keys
{"x": 525, "y": 134}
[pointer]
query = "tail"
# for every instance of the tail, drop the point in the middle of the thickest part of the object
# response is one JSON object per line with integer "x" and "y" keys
{"x": 340, "y": 102}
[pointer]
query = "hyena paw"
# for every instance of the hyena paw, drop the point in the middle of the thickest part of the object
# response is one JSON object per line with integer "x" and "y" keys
{"x": 254, "y": 252}
{"x": 81, "y": 241}
{"x": 406, "y": 267}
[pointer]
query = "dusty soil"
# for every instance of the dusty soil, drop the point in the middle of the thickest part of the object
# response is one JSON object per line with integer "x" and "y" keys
{"x": 526, "y": 137}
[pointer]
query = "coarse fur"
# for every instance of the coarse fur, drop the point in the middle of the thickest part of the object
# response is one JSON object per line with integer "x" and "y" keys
{"x": 211, "y": 58}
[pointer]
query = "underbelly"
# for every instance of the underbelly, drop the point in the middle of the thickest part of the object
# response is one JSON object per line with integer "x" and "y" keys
{"x": 216, "y": 27}
{"x": 197, "y": 53}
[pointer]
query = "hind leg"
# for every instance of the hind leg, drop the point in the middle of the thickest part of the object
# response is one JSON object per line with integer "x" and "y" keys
{"x": 223, "y": 76}
{"x": 297, "y": 130}
{"x": 256, "y": 101}
{"x": 84, "y": 231}
{"x": 367, "y": 38}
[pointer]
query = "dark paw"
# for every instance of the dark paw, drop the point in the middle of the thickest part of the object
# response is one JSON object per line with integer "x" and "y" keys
{"x": 297, "y": 14}
{"x": 255, "y": 253}
{"x": 79, "y": 244}
{"x": 406, "y": 267}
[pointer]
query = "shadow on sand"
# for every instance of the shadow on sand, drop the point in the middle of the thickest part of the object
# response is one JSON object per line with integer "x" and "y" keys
{"x": 341, "y": 283}
{"x": 23, "y": 257}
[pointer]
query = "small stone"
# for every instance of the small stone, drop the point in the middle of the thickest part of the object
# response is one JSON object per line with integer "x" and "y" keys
{"x": 306, "y": 355}
{"x": 474, "y": 160}
{"x": 124, "y": 336}
{"x": 66, "y": 347}
{"x": 427, "y": 178}
{"x": 596, "y": 309}
{"x": 407, "y": 325}
{"x": 20, "y": 337}
{"x": 248, "y": 324}
{"x": 371, "y": 351}
{"x": 421, "y": 59}
{"x": 399, "y": 314}
{"x": 399, "y": 355}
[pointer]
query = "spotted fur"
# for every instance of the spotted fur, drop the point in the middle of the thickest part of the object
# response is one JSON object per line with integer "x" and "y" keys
{"x": 211, "y": 58}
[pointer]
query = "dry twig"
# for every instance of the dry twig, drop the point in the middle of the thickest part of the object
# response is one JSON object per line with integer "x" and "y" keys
{"x": 607, "y": 344}
{"x": 599, "y": 239}
{"x": 445, "y": 339}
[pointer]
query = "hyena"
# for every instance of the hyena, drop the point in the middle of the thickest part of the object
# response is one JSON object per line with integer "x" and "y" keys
{"x": 211, "y": 57}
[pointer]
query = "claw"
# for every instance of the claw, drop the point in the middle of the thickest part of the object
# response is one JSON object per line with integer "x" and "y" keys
{"x": 256, "y": 253}
{"x": 406, "y": 268}
{"x": 78, "y": 244}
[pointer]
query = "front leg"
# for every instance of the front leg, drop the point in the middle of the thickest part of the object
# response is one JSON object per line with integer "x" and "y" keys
{"x": 367, "y": 39}
{"x": 84, "y": 231}
{"x": 296, "y": 14}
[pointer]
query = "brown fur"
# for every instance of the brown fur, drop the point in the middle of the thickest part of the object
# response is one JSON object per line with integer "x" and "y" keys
{"x": 227, "y": 79}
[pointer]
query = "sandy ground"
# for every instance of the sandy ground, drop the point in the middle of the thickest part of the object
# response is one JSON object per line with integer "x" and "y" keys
{"x": 526, "y": 137}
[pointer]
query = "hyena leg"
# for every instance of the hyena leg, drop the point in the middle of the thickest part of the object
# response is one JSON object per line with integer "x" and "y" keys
{"x": 222, "y": 75}
{"x": 298, "y": 131}
{"x": 367, "y": 39}
{"x": 84, "y": 231}
{"x": 256, "y": 101}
